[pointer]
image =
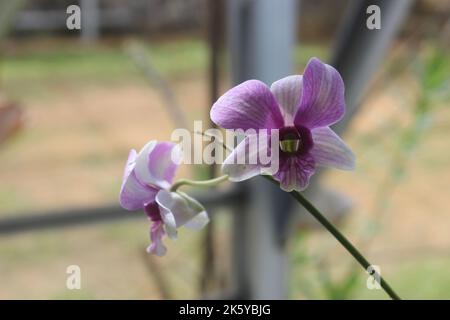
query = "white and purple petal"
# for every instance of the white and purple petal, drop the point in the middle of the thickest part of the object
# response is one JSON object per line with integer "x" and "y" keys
{"x": 177, "y": 211}
{"x": 201, "y": 218}
{"x": 330, "y": 151}
{"x": 156, "y": 163}
{"x": 198, "y": 222}
{"x": 250, "y": 105}
{"x": 287, "y": 92}
{"x": 133, "y": 193}
{"x": 322, "y": 102}
{"x": 242, "y": 162}
{"x": 252, "y": 156}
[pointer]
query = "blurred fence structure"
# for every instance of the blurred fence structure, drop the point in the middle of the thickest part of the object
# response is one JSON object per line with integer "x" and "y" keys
{"x": 110, "y": 15}
{"x": 262, "y": 35}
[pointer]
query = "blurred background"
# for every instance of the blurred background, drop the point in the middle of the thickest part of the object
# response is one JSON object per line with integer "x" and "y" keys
{"x": 74, "y": 102}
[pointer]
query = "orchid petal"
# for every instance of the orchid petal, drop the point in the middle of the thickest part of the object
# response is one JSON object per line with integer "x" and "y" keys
{"x": 294, "y": 172}
{"x": 157, "y": 162}
{"x": 250, "y": 105}
{"x": 133, "y": 193}
{"x": 156, "y": 235}
{"x": 244, "y": 162}
{"x": 238, "y": 165}
{"x": 200, "y": 218}
{"x": 176, "y": 211}
{"x": 198, "y": 222}
{"x": 329, "y": 150}
{"x": 287, "y": 92}
{"x": 151, "y": 209}
{"x": 322, "y": 102}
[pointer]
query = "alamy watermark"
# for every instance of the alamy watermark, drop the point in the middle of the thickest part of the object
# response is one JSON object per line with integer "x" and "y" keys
{"x": 373, "y": 281}
{"x": 213, "y": 146}
{"x": 73, "y": 281}
{"x": 373, "y": 21}
{"x": 73, "y": 21}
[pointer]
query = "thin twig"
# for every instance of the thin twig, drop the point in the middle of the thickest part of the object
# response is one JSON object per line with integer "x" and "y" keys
{"x": 216, "y": 138}
{"x": 139, "y": 57}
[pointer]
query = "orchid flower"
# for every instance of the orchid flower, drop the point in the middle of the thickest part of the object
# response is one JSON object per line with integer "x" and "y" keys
{"x": 146, "y": 183}
{"x": 299, "y": 108}
{"x": 302, "y": 108}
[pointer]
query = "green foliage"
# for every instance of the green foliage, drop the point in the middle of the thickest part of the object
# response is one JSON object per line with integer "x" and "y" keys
{"x": 69, "y": 63}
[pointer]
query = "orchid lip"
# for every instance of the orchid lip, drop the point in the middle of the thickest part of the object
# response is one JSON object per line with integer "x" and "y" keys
{"x": 295, "y": 140}
{"x": 290, "y": 145}
{"x": 152, "y": 211}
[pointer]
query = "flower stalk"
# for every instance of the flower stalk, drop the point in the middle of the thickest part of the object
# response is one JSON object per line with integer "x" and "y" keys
{"x": 204, "y": 183}
{"x": 341, "y": 238}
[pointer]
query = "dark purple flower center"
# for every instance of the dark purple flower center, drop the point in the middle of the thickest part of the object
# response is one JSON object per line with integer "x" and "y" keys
{"x": 295, "y": 140}
{"x": 152, "y": 211}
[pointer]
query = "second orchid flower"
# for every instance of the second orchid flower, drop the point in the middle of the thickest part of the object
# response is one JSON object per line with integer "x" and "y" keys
{"x": 146, "y": 185}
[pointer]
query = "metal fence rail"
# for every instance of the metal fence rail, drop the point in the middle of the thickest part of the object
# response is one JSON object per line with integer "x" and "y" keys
{"x": 40, "y": 221}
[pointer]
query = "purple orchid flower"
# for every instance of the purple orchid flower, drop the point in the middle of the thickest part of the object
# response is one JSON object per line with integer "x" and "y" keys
{"x": 146, "y": 181}
{"x": 302, "y": 108}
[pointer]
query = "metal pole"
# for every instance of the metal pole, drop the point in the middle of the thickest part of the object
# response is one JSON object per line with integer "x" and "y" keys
{"x": 357, "y": 54}
{"x": 40, "y": 221}
{"x": 262, "y": 35}
{"x": 359, "y": 51}
{"x": 90, "y": 20}
{"x": 214, "y": 40}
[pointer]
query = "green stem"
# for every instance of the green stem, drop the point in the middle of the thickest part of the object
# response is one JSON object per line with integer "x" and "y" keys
{"x": 204, "y": 183}
{"x": 342, "y": 239}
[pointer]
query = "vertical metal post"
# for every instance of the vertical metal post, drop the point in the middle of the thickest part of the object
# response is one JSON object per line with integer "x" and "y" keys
{"x": 8, "y": 11}
{"x": 90, "y": 23}
{"x": 262, "y": 36}
{"x": 359, "y": 51}
{"x": 215, "y": 9}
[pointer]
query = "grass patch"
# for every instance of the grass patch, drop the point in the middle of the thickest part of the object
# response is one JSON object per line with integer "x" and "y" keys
{"x": 102, "y": 63}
